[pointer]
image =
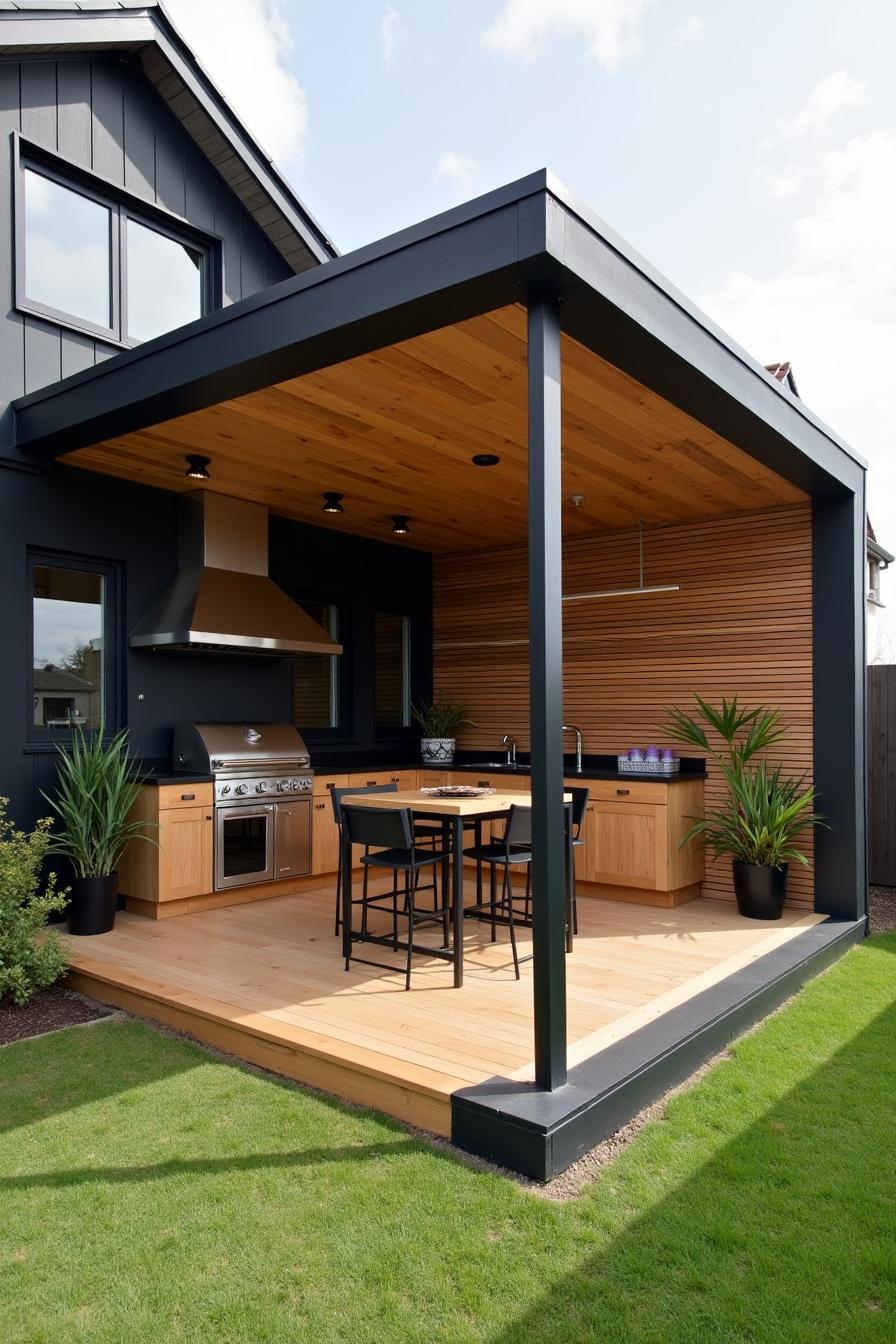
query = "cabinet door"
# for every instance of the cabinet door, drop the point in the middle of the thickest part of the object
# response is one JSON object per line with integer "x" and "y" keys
{"x": 324, "y": 837}
{"x": 185, "y": 852}
{"x": 585, "y": 855}
{"x": 629, "y": 844}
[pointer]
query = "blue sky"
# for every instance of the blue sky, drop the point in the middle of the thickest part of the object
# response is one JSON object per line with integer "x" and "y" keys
{"x": 748, "y": 150}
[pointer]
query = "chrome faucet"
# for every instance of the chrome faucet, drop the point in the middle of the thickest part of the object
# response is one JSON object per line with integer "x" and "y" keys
{"x": 571, "y": 728}
{"x": 510, "y": 743}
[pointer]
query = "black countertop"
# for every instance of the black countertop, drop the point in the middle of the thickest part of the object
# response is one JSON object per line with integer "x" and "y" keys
{"x": 593, "y": 767}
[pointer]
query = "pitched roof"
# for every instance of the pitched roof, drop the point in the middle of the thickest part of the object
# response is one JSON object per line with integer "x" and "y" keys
{"x": 53, "y": 678}
{"x": 783, "y": 373}
{"x": 43, "y": 27}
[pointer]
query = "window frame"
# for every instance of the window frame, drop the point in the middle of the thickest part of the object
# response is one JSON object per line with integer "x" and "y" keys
{"x": 385, "y": 730}
{"x": 344, "y": 730}
{"x": 122, "y": 206}
{"x": 47, "y": 739}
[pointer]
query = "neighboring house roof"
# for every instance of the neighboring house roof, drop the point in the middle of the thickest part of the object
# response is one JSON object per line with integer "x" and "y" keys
{"x": 783, "y": 373}
{"x": 52, "y": 678}
{"x": 47, "y": 27}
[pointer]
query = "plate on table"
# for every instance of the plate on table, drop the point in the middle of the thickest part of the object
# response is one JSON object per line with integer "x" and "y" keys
{"x": 457, "y": 791}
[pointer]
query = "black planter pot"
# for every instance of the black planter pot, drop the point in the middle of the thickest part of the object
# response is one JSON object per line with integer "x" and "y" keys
{"x": 760, "y": 889}
{"x": 92, "y": 904}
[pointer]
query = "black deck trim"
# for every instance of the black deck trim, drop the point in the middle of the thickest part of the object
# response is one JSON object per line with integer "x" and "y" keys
{"x": 540, "y": 1134}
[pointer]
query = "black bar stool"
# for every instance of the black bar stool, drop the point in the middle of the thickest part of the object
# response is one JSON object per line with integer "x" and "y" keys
{"x": 515, "y": 847}
{"x": 389, "y": 833}
{"x": 337, "y": 795}
{"x": 580, "y": 798}
{"x": 422, "y": 831}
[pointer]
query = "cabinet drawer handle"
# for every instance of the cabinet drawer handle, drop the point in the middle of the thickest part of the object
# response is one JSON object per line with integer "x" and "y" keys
{"x": 209, "y": 817}
{"x": 623, "y": 793}
{"x": 187, "y": 797}
{"x": 483, "y": 783}
{"x": 371, "y": 782}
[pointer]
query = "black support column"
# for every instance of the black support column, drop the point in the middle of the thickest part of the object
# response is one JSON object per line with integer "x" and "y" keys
{"x": 546, "y": 692}
{"x": 838, "y": 700}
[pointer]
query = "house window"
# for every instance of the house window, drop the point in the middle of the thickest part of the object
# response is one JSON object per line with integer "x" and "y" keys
{"x": 71, "y": 667}
{"x": 317, "y": 676}
{"x": 104, "y": 264}
{"x": 392, "y": 670}
{"x": 164, "y": 282}
{"x": 68, "y": 246}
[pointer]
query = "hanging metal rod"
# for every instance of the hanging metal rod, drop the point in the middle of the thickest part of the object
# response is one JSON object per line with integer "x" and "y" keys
{"x": 628, "y": 592}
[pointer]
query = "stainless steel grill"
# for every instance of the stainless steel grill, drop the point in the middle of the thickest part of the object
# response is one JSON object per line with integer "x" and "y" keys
{"x": 263, "y": 786}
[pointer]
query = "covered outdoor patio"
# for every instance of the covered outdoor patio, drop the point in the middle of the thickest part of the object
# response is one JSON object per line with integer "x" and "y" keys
{"x": 520, "y": 327}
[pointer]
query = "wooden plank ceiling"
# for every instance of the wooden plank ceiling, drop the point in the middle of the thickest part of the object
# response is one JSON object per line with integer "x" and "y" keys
{"x": 394, "y": 432}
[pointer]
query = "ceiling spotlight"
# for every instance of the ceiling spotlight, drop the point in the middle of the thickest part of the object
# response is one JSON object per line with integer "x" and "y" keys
{"x": 332, "y": 502}
{"x": 400, "y": 524}
{"x": 197, "y": 468}
{"x": 485, "y": 460}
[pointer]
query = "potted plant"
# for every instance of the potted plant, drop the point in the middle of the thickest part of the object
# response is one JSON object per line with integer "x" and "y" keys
{"x": 765, "y": 811}
{"x": 438, "y": 722}
{"x": 97, "y": 787}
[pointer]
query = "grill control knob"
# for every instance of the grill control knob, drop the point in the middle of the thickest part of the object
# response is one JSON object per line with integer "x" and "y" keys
{"x": 262, "y": 786}
{"x": 284, "y": 785}
{"x": 241, "y": 788}
{"x": 225, "y": 788}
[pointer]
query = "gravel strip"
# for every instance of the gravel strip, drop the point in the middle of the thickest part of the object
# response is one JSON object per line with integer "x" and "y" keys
{"x": 49, "y": 1010}
{"x": 882, "y": 909}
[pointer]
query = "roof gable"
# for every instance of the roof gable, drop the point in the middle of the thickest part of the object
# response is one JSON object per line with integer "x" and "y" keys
{"x": 48, "y": 27}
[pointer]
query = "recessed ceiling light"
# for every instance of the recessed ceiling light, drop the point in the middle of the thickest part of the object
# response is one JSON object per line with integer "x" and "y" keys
{"x": 485, "y": 460}
{"x": 332, "y": 502}
{"x": 400, "y": 524}
{"x": 197, "y": 468}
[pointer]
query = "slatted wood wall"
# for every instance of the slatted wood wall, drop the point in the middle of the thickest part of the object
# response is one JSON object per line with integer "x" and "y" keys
{"x": 742, "y": 622}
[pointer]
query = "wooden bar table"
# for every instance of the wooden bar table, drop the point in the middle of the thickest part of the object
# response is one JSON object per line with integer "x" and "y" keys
{"x": 454, "y": 811}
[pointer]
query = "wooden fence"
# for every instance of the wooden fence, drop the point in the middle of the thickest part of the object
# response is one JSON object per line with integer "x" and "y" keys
{"x": 882, "y": 775}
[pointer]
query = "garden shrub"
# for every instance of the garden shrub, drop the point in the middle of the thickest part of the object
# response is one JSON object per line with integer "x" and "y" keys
{"x": 28, "y": 962}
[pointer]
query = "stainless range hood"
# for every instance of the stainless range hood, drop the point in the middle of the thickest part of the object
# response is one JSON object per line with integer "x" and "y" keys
{"x": 221, "y": 599}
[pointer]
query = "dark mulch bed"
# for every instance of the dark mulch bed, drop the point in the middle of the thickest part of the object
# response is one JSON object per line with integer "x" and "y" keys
{"x": 48, "y": 1010}
{"x": 882, "y": 909}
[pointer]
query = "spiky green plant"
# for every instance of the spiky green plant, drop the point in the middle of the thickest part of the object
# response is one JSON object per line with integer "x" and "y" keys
{"x": 97, "y": 786}
{"x": 765, "y": 810}
{"x": 441, "y": 718}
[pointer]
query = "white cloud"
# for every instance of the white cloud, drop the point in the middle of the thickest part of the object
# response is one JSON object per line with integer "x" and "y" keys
{"x": 393, "y": 34}
{"x": 692, "y": 29}
{"x": 459, "y": 168}
{"x": 827, "y": 298}
{"x": 610, "y": 28}
{"x": 834, "y": 94}
{"x": 244, "y": 45}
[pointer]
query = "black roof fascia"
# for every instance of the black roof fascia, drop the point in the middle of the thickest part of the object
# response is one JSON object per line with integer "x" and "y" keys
{"x": 480, "y": 255}
{"x": 104, "y": 29}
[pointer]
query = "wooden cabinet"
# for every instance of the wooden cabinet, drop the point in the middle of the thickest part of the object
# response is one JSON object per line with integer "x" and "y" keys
{"x": 186, "y": 845}
{"x": 365, "y": 779}
{"x": 632, "y": 837}
{"x": 324, "y": 836}
{"x": 180, "y": 864}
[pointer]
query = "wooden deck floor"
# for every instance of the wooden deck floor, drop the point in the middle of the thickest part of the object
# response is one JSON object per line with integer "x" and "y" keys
{"x": 266, "y": 982}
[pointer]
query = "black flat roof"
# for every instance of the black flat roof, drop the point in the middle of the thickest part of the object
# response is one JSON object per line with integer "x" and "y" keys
{"x": 482, "y": 255}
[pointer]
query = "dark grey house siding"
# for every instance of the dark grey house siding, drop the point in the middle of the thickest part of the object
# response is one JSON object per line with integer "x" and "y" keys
{"x": 102, "y": 114}
{"x": 134, "y": 527}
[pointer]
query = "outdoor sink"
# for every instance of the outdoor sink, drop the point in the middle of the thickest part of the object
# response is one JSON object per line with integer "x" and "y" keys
{"x": 495, "y": 765}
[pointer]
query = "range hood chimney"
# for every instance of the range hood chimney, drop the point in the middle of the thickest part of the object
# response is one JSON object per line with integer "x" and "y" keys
{"x": 221, "y": 599}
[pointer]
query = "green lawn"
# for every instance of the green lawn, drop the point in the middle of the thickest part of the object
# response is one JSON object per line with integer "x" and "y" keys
{"x": 151, "y": 1193}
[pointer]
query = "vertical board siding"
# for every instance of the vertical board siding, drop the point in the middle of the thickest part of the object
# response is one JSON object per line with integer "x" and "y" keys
{"x": 742, "y": 623}
{"x": 882, "y": 775}
{"x": 103, "y": 115}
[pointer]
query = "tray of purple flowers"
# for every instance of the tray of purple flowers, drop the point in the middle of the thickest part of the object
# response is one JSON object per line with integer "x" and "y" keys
{"x": 651, "y": 761}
